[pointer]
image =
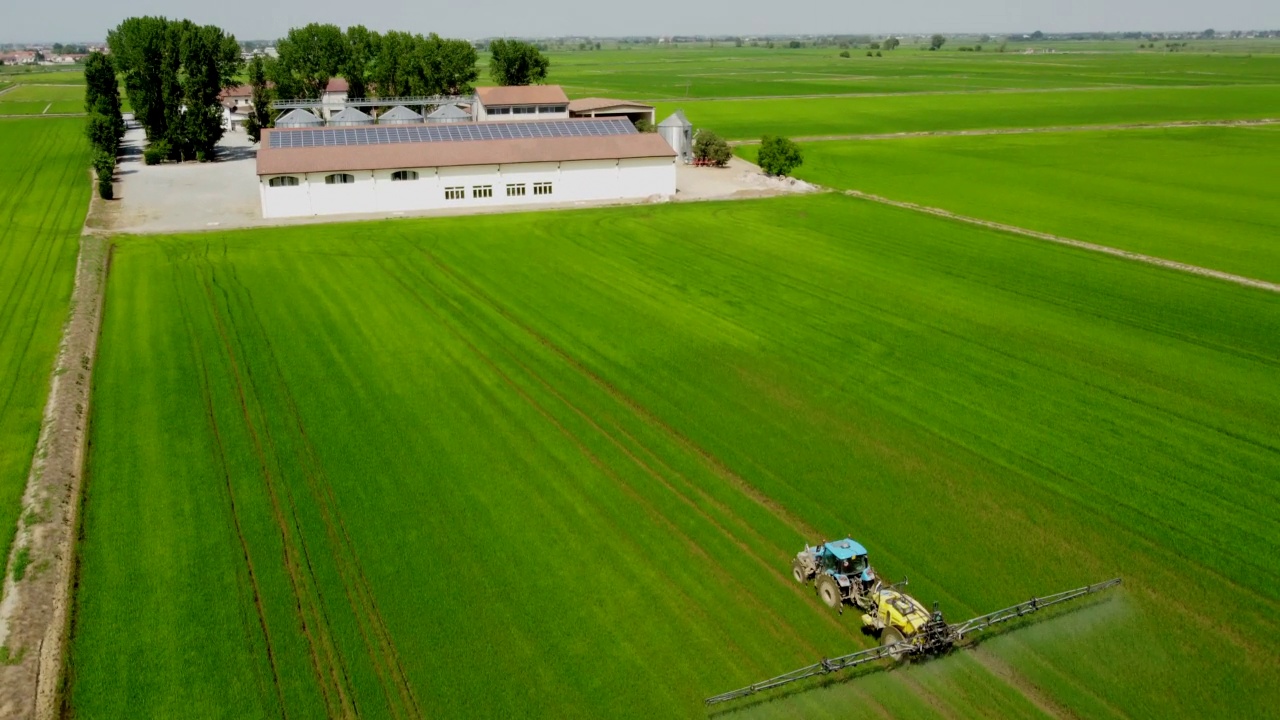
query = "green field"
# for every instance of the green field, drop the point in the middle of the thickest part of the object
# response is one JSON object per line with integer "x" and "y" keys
{"x": 37, "y": 99}
{"x": 1205, "y": 196}
{"x": 42, "y": 170}
{"x": 70, "y": 76}
{"x": 749, "y": 119}
{"x": 680, "y": 73}
{"x": 556, "y": 465}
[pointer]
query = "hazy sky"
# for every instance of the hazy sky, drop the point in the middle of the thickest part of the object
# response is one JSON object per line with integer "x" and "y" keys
{"x": 86, "y": 20}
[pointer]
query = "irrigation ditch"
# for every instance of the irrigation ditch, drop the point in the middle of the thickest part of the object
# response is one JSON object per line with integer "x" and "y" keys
{"x": 37, "y": 599}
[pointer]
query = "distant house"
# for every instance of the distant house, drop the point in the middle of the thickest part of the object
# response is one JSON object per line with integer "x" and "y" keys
{"x": 334, "y": 98}
{"x": 237, "y": 103}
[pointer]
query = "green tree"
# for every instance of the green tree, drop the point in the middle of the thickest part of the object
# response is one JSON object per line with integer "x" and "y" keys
{"x": 174, "y": 71}
{"x": 102, "y": 102}
{"x": 710, "y": 147}
{"x": 449, "y": 65}
{"x": 936, "y": 42}
{"x": 516, "y": 63}
{"x": 779, "y": 156}
{"x": 392, "y": 63}
{"x": 309, "y": 57}
{"x": 891, "y": 43}
{"x": 261, "y": 115}
{"x": 361, "y": 43}
{"x": 139, "y": 46}
{"x": 844, "y": 53}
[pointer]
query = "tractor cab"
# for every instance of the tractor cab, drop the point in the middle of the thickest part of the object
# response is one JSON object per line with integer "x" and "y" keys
{"x": 840, "y": 571}
{"x": 846, "y": 558}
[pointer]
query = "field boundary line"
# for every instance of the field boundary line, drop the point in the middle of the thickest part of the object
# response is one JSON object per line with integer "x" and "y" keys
{"x": 1027, "y": 130}
{"x": 35, "y": 611}
{"x": 1106, "y": 249}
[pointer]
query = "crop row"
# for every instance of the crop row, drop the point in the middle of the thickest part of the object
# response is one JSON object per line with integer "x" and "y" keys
{"x": 42, "y": 170}
{"x": 559, "y": 468}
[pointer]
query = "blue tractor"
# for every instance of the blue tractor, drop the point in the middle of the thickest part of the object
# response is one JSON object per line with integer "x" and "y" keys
{"x": 840, "y": 572}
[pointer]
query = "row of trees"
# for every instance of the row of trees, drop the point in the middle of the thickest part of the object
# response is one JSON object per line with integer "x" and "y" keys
{"x": 396, "y": 63}
{"x": 173, "y": 72}
{"x": 391, "y": 64}
{"x": 105, "y": 126}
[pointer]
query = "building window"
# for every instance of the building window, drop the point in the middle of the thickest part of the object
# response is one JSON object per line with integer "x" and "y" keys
{"x": 500, "y": 111}
{"x": 515, "y": 190}
{"x": 482, "y": 191}
{"x": 399, "y": 175}
{"x": 454, "y": 193}
{"x": 552, "y": 108}
{"x": 524, "y": 110}
{"x": 283, "y": 181}
{"x": 542, "y": 188}
{"x": 339, "y": 179}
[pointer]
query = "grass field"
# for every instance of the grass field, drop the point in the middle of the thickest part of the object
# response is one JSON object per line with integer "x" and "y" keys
{"x": 70, "y": 76}
{"x": 668, "y": 74}
{"x": 42, "y": 169}
{"x": 34, "y": 99}
{"x": 556, "y": 465}
{"x": 746, "y": 119}
{"x": 1199, "y": 195}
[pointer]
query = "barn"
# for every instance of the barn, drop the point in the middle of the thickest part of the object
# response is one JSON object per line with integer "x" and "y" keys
{"x": 305, "y": 171}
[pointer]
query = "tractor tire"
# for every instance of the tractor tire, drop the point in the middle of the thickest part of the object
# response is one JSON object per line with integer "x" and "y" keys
{"x": 829, "y": 591}
{"x": 889, "y": 636}
{"x": 799, "y": 572}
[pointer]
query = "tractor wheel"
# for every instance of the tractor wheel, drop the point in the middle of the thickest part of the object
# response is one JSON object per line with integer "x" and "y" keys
{"x": 798, "y": 572}
{"x": 890, "y": 636}
{"x": 829, "y": 591}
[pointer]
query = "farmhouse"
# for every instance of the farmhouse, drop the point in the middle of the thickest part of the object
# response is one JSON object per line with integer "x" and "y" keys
{"x": 403, "y": 168}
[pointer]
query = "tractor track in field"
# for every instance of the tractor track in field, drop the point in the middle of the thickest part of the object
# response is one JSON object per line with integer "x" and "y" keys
{"x": 781, "y": 627}
{"x": 237, "y": 525}
{"x": 330, "y": 679}
{"x": 717, "y": 465}
{"x": 979, "y": 132}
{"x": 17, "y": 291}
{"x": 807, "y": 597}
{"x": 1062, "y": 240}
{"x": 379, "y": 644}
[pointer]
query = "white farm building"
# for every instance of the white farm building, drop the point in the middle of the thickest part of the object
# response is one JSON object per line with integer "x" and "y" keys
{"x": 543, "y": 157}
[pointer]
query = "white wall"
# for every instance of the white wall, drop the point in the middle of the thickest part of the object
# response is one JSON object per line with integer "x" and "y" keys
{"x": 374, "y": 191}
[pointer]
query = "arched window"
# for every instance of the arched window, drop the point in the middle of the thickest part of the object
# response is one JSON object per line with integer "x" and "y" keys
{"x": 283, "y": 181}
{"x": 404, "y": 175}
{"x": 339, "y": 179}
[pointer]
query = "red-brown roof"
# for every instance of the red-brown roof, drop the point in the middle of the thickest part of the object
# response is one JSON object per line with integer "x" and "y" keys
{"x": 280, "y": 161}
{"x": 521, "y": 95}
{"x": 337, "y": 85}
{"x": 594, "y": 103}
{"x": 237, "y": 91}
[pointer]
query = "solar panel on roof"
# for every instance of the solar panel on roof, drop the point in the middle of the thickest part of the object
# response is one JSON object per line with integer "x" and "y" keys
{"x": 457, "y": 132}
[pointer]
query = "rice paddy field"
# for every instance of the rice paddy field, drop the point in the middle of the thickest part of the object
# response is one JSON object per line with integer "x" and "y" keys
{"x": 556, "y": 465}
{"x": 46, "y": 193}
{"x": 825, "y": 116}
{"x": 1204, "y": 196}
{"x": 27, "y": 99}
{"x": 683, "y": 74}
